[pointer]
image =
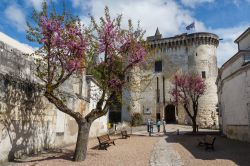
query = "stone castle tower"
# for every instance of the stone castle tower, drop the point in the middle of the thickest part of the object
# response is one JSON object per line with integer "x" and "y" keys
{"x": 193, "y": 53}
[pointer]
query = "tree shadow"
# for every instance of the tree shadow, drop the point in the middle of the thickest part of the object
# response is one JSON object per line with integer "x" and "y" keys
{"x": 23, "y": 117}
{"x": 49, "y": 155}
{"x": 227, "y": 149}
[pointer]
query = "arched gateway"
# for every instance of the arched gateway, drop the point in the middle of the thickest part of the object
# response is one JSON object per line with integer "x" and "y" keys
{"x": 170, "y": 114}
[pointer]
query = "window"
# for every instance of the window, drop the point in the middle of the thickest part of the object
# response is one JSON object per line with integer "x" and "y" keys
{"x": 157, "y": 91}
{"x": 246, "y": 58}
{"x": 158, "y": 66}
{"x": 203, "y": 74}
{"x": 127, "y": 78}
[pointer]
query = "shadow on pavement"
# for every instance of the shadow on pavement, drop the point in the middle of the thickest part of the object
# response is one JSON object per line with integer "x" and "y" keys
{"x": 51, "y": 155}
{"x": 227, "y": 149}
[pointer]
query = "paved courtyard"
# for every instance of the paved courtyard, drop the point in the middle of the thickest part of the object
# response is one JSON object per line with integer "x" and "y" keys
{"x": 157, "y": 150}
{"x": 183, "y": 150}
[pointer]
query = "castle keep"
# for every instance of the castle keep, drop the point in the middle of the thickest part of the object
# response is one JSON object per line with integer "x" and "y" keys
{"x": 193, "y": 53}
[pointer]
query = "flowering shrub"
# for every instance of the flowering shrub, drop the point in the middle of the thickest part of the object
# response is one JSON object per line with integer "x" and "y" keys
{"x": 136, "y": 119}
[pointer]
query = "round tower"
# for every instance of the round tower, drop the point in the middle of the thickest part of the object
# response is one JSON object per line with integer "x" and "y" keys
{"x": 201, "y": 50}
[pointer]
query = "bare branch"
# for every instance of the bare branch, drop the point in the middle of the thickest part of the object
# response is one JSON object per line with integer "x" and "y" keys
{"x": 62, "y": 107}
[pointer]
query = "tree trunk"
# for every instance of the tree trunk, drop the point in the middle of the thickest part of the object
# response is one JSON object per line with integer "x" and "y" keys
{"x": 82, "y": 142}
{"x": 194, "y": 125}
{"x": 11, "y": 155}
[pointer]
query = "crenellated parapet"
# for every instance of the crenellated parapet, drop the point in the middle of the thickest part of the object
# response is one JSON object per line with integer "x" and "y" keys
{"x": 184, "y": 40}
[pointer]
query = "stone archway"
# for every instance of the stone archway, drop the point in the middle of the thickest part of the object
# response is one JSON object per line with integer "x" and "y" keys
{"x": 170, "y": 114}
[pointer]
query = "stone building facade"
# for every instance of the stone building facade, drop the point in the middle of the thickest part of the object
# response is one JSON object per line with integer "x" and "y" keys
{"x": 185, "y": 53}
{"x": 29, "y": 123}
{"x": 100, "y": 125}
{"x": 234, "y": 92}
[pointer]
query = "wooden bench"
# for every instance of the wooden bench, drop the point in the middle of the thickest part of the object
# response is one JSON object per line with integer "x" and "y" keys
{"x": 105, "y": 141}
{"x": 124, "y": 134}
{"x": 208, "y": 141}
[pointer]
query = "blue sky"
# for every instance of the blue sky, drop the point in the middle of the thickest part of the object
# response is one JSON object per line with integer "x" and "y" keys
{"x": 226, "y": 18}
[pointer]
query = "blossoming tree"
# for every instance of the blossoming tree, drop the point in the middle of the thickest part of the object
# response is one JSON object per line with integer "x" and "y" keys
{"x": 67, "y": 49}
{"x": 187, "y": 89}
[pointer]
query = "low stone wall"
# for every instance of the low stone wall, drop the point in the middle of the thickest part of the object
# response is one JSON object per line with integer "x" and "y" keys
{"x": 238, "y": 132}
{"x": 28, "y": 122}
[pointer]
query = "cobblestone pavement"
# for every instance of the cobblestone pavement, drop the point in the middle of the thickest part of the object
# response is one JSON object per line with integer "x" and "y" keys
{"x": 164, "y": 155}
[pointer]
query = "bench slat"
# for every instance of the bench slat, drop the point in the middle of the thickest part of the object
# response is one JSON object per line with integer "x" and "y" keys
{"x": 104, "y": 141}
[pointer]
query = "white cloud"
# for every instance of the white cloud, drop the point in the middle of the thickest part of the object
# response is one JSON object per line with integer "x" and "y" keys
{"x": 194, "y": 3}
{"x": 227, "y": 48}
{"x": 225, "y": 51}
{"x": 82, "y": 4}
{"x": 16, "y": 17}
{"x": 76, "y": 3}
{"x": 37, "y": 4}
{"x": 169, "y": 16}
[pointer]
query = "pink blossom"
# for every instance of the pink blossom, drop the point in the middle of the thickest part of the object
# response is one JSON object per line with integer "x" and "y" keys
{"x": 187, "y": 86}
{"x": 73, "y": 64}
{"x": 108, "y": 38}
{"x": 115, "y": 83}
{"x": 137, "y": 55}
{"x": 66, "y": 42}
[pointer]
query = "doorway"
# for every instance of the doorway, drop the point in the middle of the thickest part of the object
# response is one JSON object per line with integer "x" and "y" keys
{"x": 158, "y": 117}
{"x": 170, "y": 114}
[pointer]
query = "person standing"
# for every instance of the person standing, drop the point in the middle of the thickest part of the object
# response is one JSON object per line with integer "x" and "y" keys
{"x": 158, "y": 125}
{"x": 163, "y": 124}
{"x": 151, "y": 126}
{"x": 148, "y": 125}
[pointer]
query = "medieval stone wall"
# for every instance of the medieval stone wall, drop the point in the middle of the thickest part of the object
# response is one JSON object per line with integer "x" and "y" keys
{"x": 29, "y": 123}
{"x": 181, "y": 54}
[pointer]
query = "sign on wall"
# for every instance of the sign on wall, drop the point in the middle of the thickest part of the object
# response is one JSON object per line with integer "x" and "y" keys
{"x": 146, "y": 111}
